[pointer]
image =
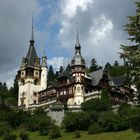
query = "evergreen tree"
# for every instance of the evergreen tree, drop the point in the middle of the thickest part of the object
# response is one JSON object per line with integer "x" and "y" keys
{"x": 68, "y": 68}
{"x": 131, "y": 53}
{"x": 61, "y": 69}
{"x": 107, "y": 67}
{"x": 116, "y": 63}
{"x": 51, "y": 75}
{"x": 93, "y": 65}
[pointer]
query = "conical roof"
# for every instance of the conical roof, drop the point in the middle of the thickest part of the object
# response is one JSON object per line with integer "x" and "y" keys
{"x": 77, "y": 59}
{"x": 31, "y": 54}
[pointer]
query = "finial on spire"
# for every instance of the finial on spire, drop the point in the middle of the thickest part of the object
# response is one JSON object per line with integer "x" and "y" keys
{"x": 32, "y": 35}
{"x": 77, "y": 38}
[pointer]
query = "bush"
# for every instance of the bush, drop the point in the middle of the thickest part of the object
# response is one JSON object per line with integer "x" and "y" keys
{"x": 4, "y": 128}
{"x": 8, "y": 136}
{"x": 44, "y": 125}
{"x": 77, "y": 134}
{"x": 54, "y": 132}
{"x": 97, "y": 105}
{"x": 70, "y": 121}
{"x": 124, "y": 110}
{"x": 83, "y": 121}
{"x": 95, "y": 129}
{"x": 24, "y": 135}
{"x": 138, "y": 138}
{"x": 33, "y": 123}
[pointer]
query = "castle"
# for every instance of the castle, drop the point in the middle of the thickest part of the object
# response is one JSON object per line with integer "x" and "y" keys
{"x": 72, "y": 87}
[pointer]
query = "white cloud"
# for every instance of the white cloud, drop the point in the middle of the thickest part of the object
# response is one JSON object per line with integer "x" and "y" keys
{"x": 101, "y": 29}
{"x": 15, "y": 27}
{"x": 56, "y": 62}
{"x": 69, "y": 7}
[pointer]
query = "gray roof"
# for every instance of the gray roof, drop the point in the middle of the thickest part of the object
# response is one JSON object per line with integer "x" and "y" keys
{"x": 77, "y": 59}
{"x": 96, "y": 76}
{"x": 66, "y": 74}
{"x": 117, "y": 80}
{"x": 31, "y": 55}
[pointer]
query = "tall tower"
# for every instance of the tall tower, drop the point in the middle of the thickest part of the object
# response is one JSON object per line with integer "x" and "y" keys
{"x": 44, "y": 72}
{"x": 78, "y": 73}
{"x": 29, "y": 77}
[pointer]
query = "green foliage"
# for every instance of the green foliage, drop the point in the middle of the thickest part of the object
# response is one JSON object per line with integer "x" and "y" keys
{"x": 111, "y": 121}
{"x": 77, "y": 134}
{"x": 76, "y": 121}
{"x": 24, "y": 135}
{"x": 105, "y": 99}
{"x": 95, "y": 129}
{"x": 71, "y": 121}
{"x": 107, "y": 68}
{"x": 33, "y": 123}
{"x": 116, "y": 64}
{"x": 4, "y": 128}
{"x": 61, "y": 69}
{"x": 44, "y": 126}
{"x": 117, "y": 70}
{"x": 134, "y": 119}
{"x": 131, "y": 53}
{"x": 98, "y": 105}
{"x": 83, "y": 121}
{"x": 93, "y": 65}
{"x": 54, "y": 132}
{"x": 8, "y": 136}
{"x": 3, "y": 92}
{"x": 124, "y": 110}
{"x": 39, "y": 111}
{"x": 51, "y": 75}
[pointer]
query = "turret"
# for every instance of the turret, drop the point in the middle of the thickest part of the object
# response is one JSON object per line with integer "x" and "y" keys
{"x": 29, "y": 76}
{"x": 78, "y": 74}
{"x": 44, "y": 72}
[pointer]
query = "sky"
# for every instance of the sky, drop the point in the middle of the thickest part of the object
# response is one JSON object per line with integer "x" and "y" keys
{"x": 100, "y": 24}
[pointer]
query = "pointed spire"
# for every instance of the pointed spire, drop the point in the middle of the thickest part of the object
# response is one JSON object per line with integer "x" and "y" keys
{"x": 32, "y": 35}
{"x": 77, "y": 38}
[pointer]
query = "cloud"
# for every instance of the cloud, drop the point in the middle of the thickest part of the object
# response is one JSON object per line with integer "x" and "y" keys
{"x": 100, "y": 26}
{"x": 15, "y": 27}
{"x": 56, "y": 62}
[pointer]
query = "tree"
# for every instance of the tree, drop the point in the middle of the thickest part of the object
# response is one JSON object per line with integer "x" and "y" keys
{"x": 107, "y": 67}
{"x": 51, "y": 75}
{"x": 105, "y": 98}
{"x": 3, "y": 92}
{"x": 116, "y": 63}
{"x": 131, "y": 53}
{"x": 61, "y": 69}
{"x": 68, "y": 68}
{"x": 93, "y": 65}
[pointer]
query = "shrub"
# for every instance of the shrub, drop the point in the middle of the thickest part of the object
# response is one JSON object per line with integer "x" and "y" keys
{"x": 77, "y": 134}
{"x": 138, "y": 138}
{"x": 54, "y": 132}
{"x": 44, "y": 126}
{"x": 33, "y": 123}
{"x": 8, "y": 136}
{"x": 71, "y": 121}
{"x": 4, "y": 128}
{"x": 95, "y": 129}
{"x": 124, "y": 110}
{"x": 83, "y": 121}
{"x": 24, "y": 135}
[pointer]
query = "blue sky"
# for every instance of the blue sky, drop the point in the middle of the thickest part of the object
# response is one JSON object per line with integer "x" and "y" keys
{"x": 100, "y": 24}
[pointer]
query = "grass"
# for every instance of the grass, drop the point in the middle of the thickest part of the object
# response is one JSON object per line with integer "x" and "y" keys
{"x": 123, "y": 135}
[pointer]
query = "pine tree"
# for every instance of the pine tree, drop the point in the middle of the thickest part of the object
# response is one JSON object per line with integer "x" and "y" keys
{"x": 51, "y": 75}
{"x": 131, "y": 53}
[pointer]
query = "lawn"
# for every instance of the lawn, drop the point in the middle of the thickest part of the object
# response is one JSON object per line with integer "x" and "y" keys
{"x": 123, "y": 135}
